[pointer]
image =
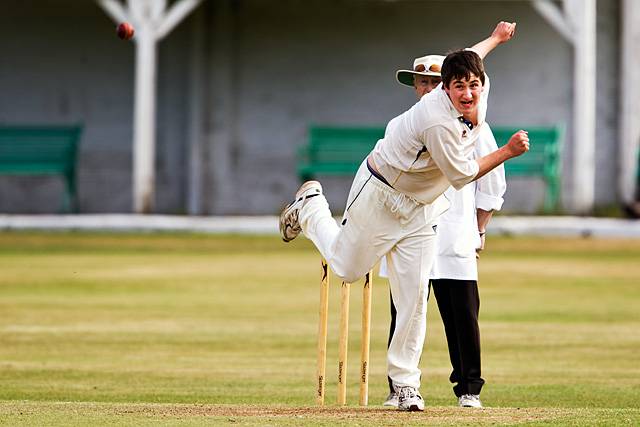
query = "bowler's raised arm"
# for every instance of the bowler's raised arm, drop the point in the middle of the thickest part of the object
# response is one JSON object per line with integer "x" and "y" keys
{"x": 503, "y": 32}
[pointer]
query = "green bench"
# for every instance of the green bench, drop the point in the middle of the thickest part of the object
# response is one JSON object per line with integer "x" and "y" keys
{"x": 338, "y": 151}
{"x": 543, "y": 160}
{"x": 42, "y": 150}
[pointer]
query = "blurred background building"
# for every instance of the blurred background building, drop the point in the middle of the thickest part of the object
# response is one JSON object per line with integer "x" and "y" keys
{"x": 240, "y": 81}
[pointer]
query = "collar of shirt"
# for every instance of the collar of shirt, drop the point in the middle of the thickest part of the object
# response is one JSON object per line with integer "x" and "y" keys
{"x": 466, "y": 122}
{"x": 455, "y": 114}
{"x": 442, "y": 94}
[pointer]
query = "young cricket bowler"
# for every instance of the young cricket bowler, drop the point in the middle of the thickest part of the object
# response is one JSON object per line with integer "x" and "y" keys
{"x": 460, "y": 238}
{"x": 397, "y": 196}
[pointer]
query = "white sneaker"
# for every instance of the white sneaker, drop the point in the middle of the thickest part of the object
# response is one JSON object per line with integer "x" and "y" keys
{"x": 289, "y": 225}
{"x": 409, "y": 399}
{"x": 392, "y": 400}
{"x": 470, "y": 401}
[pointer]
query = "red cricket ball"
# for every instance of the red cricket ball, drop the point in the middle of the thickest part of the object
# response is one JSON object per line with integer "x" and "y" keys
{"x": 125, "y": 31}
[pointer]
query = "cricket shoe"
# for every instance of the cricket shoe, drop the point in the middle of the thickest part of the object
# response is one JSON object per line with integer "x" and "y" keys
{"x": 392, "y": 400}
{"x": 409, "y": 399}
{"x": 289, "y": 224}
{"x": 469, "y": 401}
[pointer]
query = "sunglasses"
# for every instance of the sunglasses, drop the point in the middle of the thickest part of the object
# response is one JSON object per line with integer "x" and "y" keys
{"x": 434, "y": 68}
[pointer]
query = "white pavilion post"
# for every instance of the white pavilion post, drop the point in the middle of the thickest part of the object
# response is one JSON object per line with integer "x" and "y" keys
{"x": 578, "y": 25}
{"x": 583, "y": 15}
{"x": 144, "y": 123}
{"x": 151, "y": 23}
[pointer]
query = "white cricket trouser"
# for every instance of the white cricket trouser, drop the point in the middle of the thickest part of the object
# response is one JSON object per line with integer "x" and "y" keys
{"x": 379, "y": 220}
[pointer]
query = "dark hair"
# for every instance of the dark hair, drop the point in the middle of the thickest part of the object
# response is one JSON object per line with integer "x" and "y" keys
{"x": 460, "y": 65}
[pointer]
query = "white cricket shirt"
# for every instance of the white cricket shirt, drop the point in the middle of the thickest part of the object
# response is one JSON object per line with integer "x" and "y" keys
{"x": 428, "y": 148}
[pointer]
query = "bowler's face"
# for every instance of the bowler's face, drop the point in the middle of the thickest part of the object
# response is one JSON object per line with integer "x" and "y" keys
{"x": 424, "y": 84}
{"x": 465, "y": 95}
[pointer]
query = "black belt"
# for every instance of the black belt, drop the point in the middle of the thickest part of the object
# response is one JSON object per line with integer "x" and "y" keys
{"x": 377, "y": 174}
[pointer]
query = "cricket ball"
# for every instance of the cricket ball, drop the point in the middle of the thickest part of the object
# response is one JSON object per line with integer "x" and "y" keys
{"x": 125, "y": 31}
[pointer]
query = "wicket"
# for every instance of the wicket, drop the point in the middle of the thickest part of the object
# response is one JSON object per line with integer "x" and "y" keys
{"x": 344, "y": 338}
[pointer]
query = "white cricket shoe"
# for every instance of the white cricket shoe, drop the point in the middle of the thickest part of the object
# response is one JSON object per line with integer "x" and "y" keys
{"x": 409, "y": 399}
{"x": 470, "y": 401}
{"x": 392, "y": 400}
{"x": 289, "y": 224}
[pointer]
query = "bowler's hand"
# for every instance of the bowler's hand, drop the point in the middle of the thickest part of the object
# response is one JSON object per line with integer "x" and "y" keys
{"x": 504, "y": 31}
{"x": 518, "y": 143}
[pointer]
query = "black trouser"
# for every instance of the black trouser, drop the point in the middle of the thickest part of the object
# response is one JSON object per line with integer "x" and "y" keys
{"x": 459, "y": 305}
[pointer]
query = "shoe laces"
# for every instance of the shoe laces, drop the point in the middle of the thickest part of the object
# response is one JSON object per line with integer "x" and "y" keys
{"x": 407, "y": 393}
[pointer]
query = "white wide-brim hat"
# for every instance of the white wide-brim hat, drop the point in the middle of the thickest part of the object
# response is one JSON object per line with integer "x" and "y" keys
{"x": 429, "y": 65}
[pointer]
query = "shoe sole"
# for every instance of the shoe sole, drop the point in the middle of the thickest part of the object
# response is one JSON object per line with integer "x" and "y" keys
{"x": 411, "y": 408}
{"x": 307, "y": 185}
{"x": 283, "y": 215}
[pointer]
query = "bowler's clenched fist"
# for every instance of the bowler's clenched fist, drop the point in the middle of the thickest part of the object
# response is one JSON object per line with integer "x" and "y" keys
{"x": 504, "y": 31}
{"x": 518, "y": 143}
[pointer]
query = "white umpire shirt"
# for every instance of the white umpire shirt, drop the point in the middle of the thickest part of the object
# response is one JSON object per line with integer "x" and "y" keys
{"x": 458, "y": 235}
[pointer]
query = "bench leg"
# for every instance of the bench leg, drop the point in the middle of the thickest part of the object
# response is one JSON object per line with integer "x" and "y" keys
{"x": 551, "y": 195}
{"x": 69, "y": 204}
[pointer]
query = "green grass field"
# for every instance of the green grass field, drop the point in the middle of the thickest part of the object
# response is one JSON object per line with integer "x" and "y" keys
{"x": 178, "y": 329}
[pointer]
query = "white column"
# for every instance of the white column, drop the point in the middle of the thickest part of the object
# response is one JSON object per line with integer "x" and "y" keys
{"x": 582, "y": 14}
{"x": 629, "y": 98}
{"x": 577, "y": 24}
{"x": 144, "y": 122}
{"x": 151, "y": 24}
